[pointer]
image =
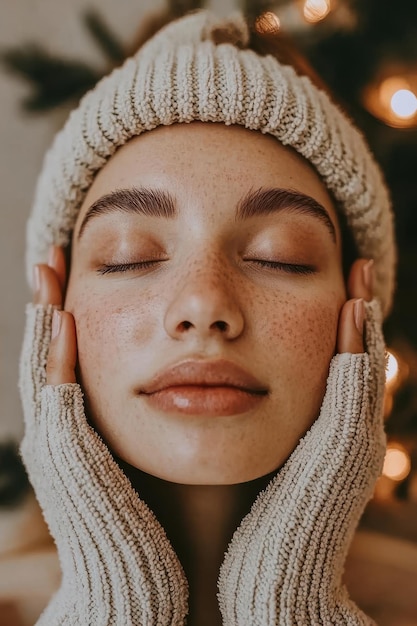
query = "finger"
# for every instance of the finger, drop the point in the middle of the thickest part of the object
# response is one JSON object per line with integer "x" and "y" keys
{"x": 351, "y": 327}
{"x": 62, "y": 356}
{"x": 360, "y": 280}
{"x": 47, "y": 286}
{"x": 56, "y": 260}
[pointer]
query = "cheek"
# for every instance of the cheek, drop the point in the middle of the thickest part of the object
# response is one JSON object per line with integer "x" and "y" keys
{"x": 106, "y": 327}
{"x": 300, "y": 335}
{"x": 312, "y": 329}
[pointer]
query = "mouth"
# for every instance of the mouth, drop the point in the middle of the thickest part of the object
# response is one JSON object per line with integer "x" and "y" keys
{"x": 209, "y": 388}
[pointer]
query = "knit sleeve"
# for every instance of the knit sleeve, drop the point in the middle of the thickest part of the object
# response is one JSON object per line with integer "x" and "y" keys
{"x": 118, "y": 566}
{"x": 285, "y": 563}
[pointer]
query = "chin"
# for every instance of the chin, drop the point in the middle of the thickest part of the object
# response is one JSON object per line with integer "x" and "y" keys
{"x": 210, "y": 474}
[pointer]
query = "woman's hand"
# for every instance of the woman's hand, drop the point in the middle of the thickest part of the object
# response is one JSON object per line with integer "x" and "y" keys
{"x": 285, "y": 562}
{"x": 353, "y": 314}
{"x": 107, "y": 538}
{"x": 50, "y": 283}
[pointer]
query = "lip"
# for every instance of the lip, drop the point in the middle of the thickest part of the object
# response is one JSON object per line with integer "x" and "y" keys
{"x": 204, "y": 388}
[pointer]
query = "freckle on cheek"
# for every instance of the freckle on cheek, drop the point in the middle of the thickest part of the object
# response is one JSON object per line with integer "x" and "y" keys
{"x": 308, "y": 332}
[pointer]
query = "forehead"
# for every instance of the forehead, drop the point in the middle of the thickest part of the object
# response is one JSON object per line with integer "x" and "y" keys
{"x": 202, "y": 161}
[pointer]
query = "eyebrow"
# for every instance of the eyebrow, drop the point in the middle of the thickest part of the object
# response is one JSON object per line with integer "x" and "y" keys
{"x": 266, "y": 201}
{"x": 256, "y": 203}
{"x": 139, "y": 200}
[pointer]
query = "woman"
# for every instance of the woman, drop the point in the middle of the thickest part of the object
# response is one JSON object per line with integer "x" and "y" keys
{"x": 212, "y": 343}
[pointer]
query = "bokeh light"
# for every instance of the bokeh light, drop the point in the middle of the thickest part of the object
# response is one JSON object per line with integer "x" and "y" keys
{"x": 392, "y": 369}
{"x": 404, "y": 103}
{"x": 393, "y": 99}
{"x": 316, "y": 10}
{"x": 268, "y": 22}
{"x": 397, "y": 464}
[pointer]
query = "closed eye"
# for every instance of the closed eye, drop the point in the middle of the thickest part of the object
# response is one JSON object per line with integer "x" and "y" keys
{"x": 289, "y": 268}
{"x": 119, "y": 268}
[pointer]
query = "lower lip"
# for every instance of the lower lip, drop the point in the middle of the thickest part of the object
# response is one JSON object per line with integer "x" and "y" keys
{"x": 205, "y": 401}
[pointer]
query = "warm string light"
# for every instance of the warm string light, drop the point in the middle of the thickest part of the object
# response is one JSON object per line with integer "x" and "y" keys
{"x": 268, "y": 22}
{"x": 316, "y": 10}
{"x": 393, "y": 99}
{"x": 393, "y": 379}
{"x": 397, "y": 464}
{"x": 301, "y": 15}
{"x": 392, "y": 369}
{"x": 404, "y": 103}
{"x": 396, "y": 468}
{"x": 396, "y": 371}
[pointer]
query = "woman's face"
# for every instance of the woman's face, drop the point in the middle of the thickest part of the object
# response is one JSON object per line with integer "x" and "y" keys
{"x": 206, "y": 284}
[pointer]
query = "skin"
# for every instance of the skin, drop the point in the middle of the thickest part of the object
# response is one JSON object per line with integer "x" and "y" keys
{"x": 282, "y": 327}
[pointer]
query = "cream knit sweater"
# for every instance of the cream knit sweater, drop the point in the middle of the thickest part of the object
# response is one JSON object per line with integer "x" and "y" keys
{"x": 285, "y": 562}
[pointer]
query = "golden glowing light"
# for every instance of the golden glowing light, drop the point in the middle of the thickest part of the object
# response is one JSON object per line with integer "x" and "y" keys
{"x": 397, "y": 463}
{"x": 396, "y": 372}
{"x": 388, "y": 88}
{"x": 316, "y": 10}
{"x": 392, "y": 369}
{"x": 404, "y": 103}
{"x": 393, "y": 99}
{"x": 268, "y": 22}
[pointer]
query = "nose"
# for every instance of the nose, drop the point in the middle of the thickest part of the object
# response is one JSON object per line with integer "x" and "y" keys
{"x": 204, "y": 305}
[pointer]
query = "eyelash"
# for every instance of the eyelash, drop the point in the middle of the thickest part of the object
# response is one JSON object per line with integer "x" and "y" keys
{"x": 290, "y": 268}
{"x": 126, "y": 267}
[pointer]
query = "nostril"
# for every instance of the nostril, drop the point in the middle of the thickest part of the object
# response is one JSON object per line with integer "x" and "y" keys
{"x": 219, "y": 325}
{"x": 222, "y": 326}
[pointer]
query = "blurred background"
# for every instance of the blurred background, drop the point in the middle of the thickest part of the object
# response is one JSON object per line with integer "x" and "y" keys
{"x": 51, "y": 52}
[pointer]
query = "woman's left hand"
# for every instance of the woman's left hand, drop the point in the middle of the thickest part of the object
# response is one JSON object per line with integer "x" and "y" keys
{"x": 285, "y": 562}
{"x": 352, "y": 315}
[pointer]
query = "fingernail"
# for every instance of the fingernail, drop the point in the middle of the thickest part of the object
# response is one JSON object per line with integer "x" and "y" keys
{"x": 56, "y": 323}
{"x": 51, "y": 256}
{"x": 368, "y": 275}
{"x": 36, "y": 281}
{"x": 359, "y": 314}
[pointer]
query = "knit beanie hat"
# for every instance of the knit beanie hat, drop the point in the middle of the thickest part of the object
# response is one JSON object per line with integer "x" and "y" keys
{"x": 199, "y": 69}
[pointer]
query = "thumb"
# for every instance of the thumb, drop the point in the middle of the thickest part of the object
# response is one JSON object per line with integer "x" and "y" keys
{"x": 62, "y": 356}
{"x": 351, "y": 327}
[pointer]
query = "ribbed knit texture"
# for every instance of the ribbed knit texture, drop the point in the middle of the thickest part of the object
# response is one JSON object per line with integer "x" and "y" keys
{"x": 181, "y": 75}
{"x": 284, "y": 564}
{"x": 118, "y": 566}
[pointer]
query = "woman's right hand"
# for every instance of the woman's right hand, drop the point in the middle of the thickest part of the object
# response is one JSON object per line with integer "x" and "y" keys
{"x": 49, "y": 282}
{"x": 107, "y": 538}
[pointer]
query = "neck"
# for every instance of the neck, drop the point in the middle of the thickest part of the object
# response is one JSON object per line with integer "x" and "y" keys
{"x": 199, "y": 521}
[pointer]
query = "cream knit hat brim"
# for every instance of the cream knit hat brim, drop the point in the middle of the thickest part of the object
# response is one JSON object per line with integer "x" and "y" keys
{"x": 181, "y": 75}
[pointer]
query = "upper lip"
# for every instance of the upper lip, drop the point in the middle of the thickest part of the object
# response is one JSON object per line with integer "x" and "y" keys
{"x": 198, "y": 373}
